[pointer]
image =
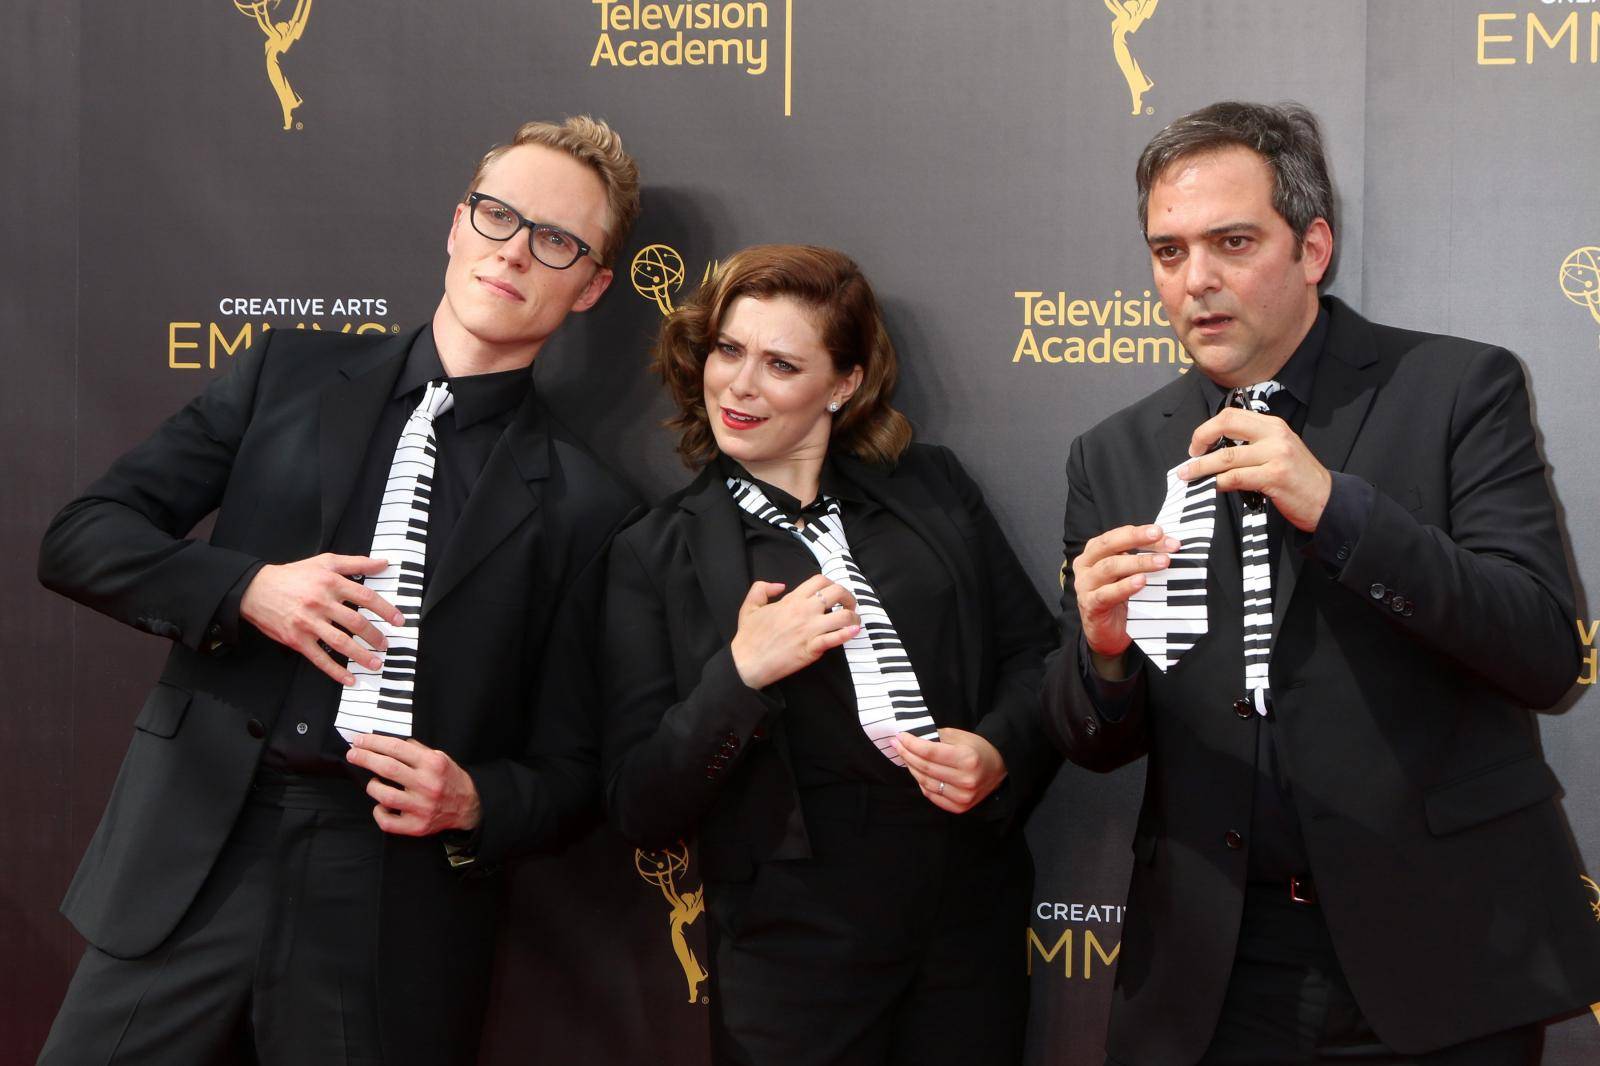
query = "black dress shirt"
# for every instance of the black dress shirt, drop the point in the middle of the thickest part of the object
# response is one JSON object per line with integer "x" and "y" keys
{"x": 304, "y": 741}
{"x": 826, "y": 742}
{"x": 1277, "y": 847}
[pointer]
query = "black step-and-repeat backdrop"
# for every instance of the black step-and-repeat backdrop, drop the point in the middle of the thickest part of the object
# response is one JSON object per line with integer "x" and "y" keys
{"x": 180, "y": 177}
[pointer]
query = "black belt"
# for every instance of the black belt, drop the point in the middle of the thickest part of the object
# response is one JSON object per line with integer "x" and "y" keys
{"x": 309, "y": 792}
{"x": 1297, "y": 889}
{"x": 871, "y": 804}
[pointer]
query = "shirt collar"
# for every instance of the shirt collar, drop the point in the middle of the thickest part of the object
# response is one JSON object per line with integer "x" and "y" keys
{"x": 478, "y": 396}
{"x": 1297, "y": 375}
{"x": 831, "y": 483}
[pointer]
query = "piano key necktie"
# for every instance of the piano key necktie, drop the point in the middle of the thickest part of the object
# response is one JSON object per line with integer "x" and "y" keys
{"x": 888, "y": 697}
{"x": 380, "y": 700}
{"x": 1256, "y": 562}
{"x": 1168, "y": 615}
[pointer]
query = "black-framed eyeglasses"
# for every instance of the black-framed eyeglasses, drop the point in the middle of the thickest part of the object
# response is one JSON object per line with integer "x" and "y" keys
{"x": 553, "y": 246}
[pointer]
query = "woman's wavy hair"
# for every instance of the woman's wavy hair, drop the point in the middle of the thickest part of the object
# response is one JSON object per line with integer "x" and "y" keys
{"x": 847, "y": 314}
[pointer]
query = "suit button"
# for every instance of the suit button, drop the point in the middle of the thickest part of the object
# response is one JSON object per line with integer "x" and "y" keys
{"x": 214, "y": 631}
{"x": 1233, "y": 839}
{"x": 1408, "y": 611}
{"x": 1343, "y": 553}
{"x": 255, "y": 728}
{"x": 1398, "y": 605}
{"x": 1243, "y": 707}
{"x": 1377, "y": 591}
{"x": 759, "y": 734}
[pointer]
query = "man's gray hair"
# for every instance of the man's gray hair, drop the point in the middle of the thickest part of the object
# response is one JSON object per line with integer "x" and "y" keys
{"x": 1286, "y": 136}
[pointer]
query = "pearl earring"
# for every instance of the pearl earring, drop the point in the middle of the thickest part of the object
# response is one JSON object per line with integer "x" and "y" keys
{"x": 833, "y": 406}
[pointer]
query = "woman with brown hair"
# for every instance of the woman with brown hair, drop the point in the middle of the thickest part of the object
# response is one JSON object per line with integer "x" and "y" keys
{"x": 822, "y": 662}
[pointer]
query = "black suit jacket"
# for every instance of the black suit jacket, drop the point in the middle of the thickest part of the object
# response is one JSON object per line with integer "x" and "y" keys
{"x": 1444, "y": 866}
{"x": 274, "y": 447}
{"x": 692, "y": 751}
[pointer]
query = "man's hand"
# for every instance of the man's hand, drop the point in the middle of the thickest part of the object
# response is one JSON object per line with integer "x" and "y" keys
{"x": 1273, "y": 461}
{"x": 299, "y": 604}
{"x": 957, "y": 772}
{"x": 419, "y": 790}
{"x": 777, "y": 638}
{"x": 1110, "y": 569}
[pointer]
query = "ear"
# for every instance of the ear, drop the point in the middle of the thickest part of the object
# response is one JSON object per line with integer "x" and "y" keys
{"x": 847, "y": 386}
{"x": 455, "y": 224}
{"x": 594, "y": 290}
{"x": 1316, "y": 250}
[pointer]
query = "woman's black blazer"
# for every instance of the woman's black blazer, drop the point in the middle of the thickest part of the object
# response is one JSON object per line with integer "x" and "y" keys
{"x": 691, "y": 751}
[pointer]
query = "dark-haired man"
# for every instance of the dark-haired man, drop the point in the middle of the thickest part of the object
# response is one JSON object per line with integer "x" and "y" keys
{"x": 1350, "y": 846}
{"x": 379, "y": 684}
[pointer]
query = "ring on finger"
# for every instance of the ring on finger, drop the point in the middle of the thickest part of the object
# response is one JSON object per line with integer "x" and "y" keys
{"x": 940, "y": 790}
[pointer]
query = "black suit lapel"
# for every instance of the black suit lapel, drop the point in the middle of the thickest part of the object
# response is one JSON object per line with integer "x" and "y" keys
{"x": 909, "y": 500}
{"x": 505, "y": 494}
{"x": 1347, "y": 380}
{"x": 349, "y": 412}
{"x": 716, "y": 547}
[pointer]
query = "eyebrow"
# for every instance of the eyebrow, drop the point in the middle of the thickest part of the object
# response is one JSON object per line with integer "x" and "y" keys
{"x": 532, "y": 218}
{"x": 779, "y": 352}
{"x": 1215, "y": 231}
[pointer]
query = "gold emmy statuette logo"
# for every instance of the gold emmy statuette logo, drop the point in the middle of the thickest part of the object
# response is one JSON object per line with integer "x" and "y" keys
{"x": 661, "y": 868}
{"x": 1580, "y": 282}
{"x": 657, "y": 274}
{"x": 1588, "y": 882}
{"x": 1126, "y": 18}
{"x": 280, "y": 38}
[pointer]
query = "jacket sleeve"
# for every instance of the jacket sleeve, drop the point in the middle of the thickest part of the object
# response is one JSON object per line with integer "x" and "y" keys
{"x": 666, "y": 757}
{"x": 547, "y": 797}
{"x": 1020, "y": 624}
{"x": 1492, "y": 591}
{"x": 120, "y": 548}
{"x": 1072, "y": 717}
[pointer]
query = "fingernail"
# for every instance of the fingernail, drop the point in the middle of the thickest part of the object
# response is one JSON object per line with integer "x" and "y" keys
{"x": 1172, "y": 544}
{"x": 1138, "y": 581}
{"x": 1183, "y": 472}
{"x": 374, "y": 663}
{"x": 1152, "y": 532}
{"x": 1161, "y": 560}
{"x": 348, "y": 679}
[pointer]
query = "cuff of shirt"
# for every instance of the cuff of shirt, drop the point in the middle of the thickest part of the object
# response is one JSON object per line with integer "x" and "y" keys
{"x": 1111, "y": 698}
{"x": 223, "y": 632}
{"x": 1342, "y": 523}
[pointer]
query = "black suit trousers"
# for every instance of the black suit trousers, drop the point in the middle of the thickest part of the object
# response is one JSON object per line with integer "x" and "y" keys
{"x": 273, "y": 964}
{"x": 904, "y": 918}
{"x": 1288, "y": 1001}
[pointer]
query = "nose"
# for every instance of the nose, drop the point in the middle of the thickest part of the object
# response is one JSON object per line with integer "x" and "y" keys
{"x": 1200, "y": 273}
{"x": 516, "y": 252}
{"x": 744, "y": 382}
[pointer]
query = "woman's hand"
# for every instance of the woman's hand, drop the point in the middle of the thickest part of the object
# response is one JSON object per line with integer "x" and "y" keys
{"x": 957, "y": 772}
{"x": 778, "y": 637}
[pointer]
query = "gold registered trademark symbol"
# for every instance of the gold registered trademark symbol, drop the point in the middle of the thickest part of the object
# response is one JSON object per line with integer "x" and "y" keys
{"x": 1149, "y": 110}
